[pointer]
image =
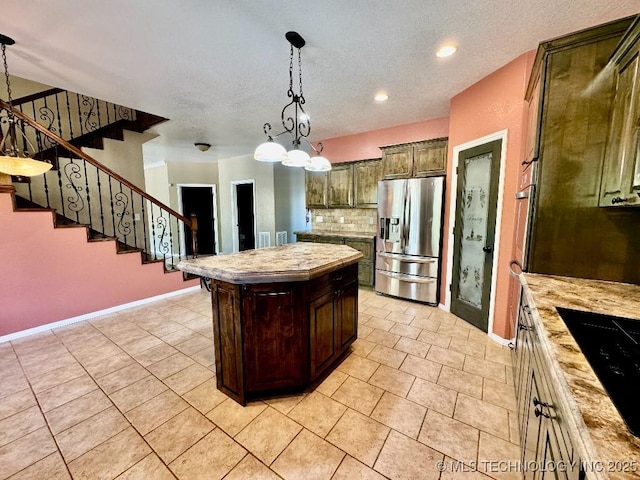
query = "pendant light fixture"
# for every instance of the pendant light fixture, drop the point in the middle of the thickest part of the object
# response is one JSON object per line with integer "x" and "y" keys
{"x": 296, "y": 122}
{"x": 13, "y": 160}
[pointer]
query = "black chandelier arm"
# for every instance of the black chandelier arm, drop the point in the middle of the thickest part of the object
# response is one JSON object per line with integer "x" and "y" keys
{"x": 291, "y": 122}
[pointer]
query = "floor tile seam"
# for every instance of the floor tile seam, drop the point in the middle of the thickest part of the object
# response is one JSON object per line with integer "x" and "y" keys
{"x": 478, "y": 428}
{"x": 23, "y": 409}
{"x": 46, "y": 422}
{"x": 373, "y": 465}
{"x": 247, "y": 452}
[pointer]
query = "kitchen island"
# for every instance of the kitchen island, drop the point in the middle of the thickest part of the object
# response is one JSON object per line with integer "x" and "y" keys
{"x": 282, "y": 316}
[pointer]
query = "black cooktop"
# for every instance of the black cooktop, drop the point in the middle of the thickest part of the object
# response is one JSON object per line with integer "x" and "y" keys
{"x": 612, "y": 347}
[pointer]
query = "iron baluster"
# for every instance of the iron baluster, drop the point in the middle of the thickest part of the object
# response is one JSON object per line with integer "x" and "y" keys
{"x": 66, "y": 93}
{"x": 153, "y": 233}
{"x": 100, "y": 200}
{"x": 144, "y": 225}
{"x": 80, "y": 115}
{"x": 86, "y": 184}
{"x": 76, "y": 204}
{"x": 106, "y": 107}
{"x": 171, "y": 245}
{"x": 30, "y": 192}
{"x": 58, "y": 115}
{"x": 113, "y": 214}
{"x": 98, "y": 113}
{"x": 124, "y": 226}
{"x": 133, "y": 215}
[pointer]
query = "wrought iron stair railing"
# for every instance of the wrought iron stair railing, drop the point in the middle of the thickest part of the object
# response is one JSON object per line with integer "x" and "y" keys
{"x": 85, "y": 192}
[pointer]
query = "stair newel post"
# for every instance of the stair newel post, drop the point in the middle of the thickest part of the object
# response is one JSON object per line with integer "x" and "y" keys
{"x": 194, "y": 234}
{"x": 66, "y": 94}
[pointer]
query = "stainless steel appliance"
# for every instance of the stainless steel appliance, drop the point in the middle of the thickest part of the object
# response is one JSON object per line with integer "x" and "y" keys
{"x": 408, "y": 247}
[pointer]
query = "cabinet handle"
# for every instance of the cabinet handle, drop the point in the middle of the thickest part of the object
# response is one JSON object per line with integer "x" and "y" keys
{"x": 337, "y": 279}
{"x": 616, "y": 200}
{"x": 540, "y": 413}
{"x": 537, "y": 403}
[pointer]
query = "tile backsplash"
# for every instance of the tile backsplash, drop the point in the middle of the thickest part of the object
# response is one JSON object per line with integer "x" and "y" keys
{"x": 348, "y": 220}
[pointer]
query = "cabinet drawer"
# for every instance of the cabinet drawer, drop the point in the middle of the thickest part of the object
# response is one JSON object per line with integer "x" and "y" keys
{"x": 333, "y": 281}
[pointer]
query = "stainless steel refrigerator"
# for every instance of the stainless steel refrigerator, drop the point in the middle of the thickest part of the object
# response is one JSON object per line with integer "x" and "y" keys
{"x": 409, "y": 241}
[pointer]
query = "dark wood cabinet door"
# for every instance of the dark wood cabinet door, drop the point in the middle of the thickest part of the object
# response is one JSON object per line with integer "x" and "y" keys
{"x": 225, "y": 299}
{"x": 430, "y": 158}
{"x": 316, "y": 189}
{"x": 366, "y": 177}
{"x": 273, "y": 336}
{"x": 397, "y": 162}
{"x": 341, "y": 186}
{"x": 322, "y": 323}
{"x": 346, "y": 316}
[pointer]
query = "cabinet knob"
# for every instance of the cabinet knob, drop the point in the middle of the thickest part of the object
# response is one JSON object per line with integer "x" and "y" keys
{"x": 487, "y": 249}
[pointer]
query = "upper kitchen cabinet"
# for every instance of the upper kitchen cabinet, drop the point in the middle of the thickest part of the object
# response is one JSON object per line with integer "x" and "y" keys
{"x": 416, "y": 159}
{"x": 366, "y": 177}
{"x": 341, "y": 186}
{"x": 316, "y": 189}
{"x": 567, "y": 232}
{"x": 532, "y": 140}
{"x": 621, "y": 173}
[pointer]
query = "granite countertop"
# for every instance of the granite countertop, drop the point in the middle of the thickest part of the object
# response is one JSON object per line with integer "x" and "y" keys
{"x": 287, "y": 263}
{"x": 338, "y": 234}
{"x": 600, "y": 433}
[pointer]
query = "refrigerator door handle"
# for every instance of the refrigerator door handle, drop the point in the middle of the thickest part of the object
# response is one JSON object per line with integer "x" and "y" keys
{"x": 407, "y": 278}
{"x": 405, "y": 216}
{"x": 407, "y": 258}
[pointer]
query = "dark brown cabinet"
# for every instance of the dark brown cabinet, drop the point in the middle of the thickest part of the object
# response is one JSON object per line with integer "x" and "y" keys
{"x": 621, "y": 173}
{"x": 416, "y": 159}
{"x": 363, "y": 245}
{"x": 367, "y": 174}
{"x": 316, "y": 189}
{"x": 278, "y": 337}
{"x": 333, "y": 326}
{"x": 341, "y": 186}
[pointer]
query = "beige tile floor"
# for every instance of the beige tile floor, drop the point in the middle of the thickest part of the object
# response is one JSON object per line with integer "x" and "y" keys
{"x": 132, "y": 396}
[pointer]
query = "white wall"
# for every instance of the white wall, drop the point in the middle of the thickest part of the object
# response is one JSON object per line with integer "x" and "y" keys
{"x": 246, "y": 168}
{"x": 290, "y": 208}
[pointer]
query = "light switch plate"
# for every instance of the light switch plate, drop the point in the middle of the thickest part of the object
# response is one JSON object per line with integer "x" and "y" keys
{"x": 341, "y": 219}
{"x": 319, "y": 219}
{"x": 136, "y": 217}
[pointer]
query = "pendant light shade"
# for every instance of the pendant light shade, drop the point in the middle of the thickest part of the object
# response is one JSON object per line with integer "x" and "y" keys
{"x": 318, "y": 164}
{"x": 270, "y": 151}
{"x": 296, "y": 158}
{"x": 23, "y": 167}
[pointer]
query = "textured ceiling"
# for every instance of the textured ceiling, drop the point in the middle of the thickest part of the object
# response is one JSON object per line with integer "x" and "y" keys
{"x": 219, "y": 69}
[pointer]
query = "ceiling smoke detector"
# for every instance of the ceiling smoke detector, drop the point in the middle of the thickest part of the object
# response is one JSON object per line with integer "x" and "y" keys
{"x": 203, "y": 147}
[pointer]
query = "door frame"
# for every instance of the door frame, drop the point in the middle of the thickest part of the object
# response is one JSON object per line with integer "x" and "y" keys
{"x": 234, "y": 213}
{"x": 453, "y": 197}
{"x": 214, "y": 193}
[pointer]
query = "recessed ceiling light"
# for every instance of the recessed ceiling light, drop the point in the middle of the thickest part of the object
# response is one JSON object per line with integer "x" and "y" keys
{"x": 446, "y": 51}
{"x": 381, "y": 97}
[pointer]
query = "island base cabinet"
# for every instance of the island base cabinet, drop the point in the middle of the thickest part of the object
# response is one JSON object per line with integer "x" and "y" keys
{"x": 334, "y": 326}
{"x": 276, "y": 338}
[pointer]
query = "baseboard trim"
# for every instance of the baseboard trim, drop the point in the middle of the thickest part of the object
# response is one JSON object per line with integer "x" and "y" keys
{"x": 502, "y": 341}
{"x": 98, "y": 313}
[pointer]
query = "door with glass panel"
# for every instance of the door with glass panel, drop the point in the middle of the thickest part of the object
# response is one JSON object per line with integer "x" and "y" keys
{"x": 474, "y": 232}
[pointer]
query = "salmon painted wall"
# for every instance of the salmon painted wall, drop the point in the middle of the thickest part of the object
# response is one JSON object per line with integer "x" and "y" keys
{"x": 52, "y": 274}
{"x": 493, "y": 104}
{"x": 362, "y": 146}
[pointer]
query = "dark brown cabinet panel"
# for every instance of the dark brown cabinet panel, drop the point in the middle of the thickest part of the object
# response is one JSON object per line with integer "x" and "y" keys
{"x": 367, "y": 174}
{"x": 347, "y": 316}
{"x": 316, "y": 189}
{"x": 430, "y": 158}
{"x": 322, "y": 314}
{"x": 341, "y": 186}
{"x": 272, "y": 321}
{"x": 397, "y": 161}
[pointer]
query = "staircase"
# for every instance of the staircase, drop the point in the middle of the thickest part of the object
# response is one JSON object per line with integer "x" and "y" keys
{"x": 80, "y": 192}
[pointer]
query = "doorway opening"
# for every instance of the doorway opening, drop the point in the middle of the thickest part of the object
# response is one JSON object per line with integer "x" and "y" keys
{"x": 201, "y": 200}
{"x": 244, "y": 218}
